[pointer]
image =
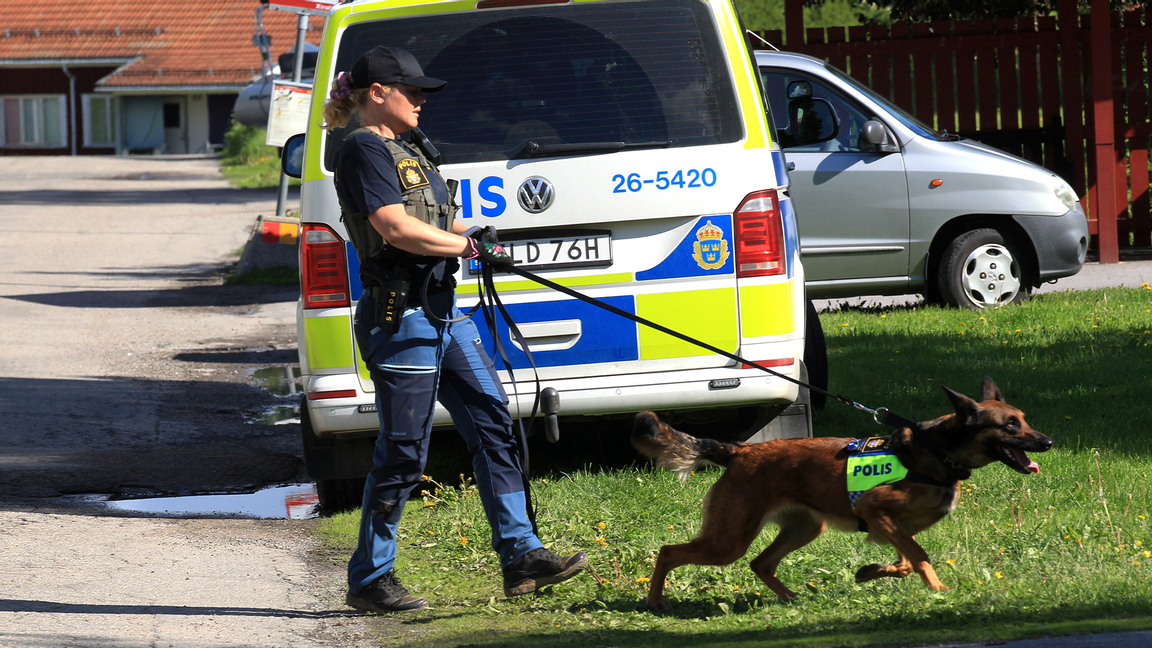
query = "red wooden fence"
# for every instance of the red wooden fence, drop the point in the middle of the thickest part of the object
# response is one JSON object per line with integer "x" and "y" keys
{"x": 1025, "y": 86}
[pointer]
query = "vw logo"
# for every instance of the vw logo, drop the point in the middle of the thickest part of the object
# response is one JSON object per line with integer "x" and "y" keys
{"x": 535, "y": 195}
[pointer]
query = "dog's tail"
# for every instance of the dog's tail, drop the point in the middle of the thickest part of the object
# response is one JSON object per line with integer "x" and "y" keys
{"x": 673, "y": 450}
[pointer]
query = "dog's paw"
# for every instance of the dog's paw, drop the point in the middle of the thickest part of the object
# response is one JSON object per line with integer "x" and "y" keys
{"x": 870, "y": 572}
{"x": 659, "y": 604}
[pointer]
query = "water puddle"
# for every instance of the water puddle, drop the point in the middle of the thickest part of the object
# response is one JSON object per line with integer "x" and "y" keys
{"x": 294, "y": 502}
{"x": 280, "y": 381}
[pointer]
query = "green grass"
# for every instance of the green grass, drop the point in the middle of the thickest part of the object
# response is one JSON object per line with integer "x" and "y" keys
{"x": 1062, "y": 552}
{"x": 266, "y": 277}
{"x": 248, "y": 162}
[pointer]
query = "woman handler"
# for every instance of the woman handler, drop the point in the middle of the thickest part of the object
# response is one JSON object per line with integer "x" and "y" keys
{"x": 399, "y": 215}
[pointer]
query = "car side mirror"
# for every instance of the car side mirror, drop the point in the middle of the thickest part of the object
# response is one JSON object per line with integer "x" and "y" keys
{"x": 873, "y": 133}
{"x": 812, "y": 121}
{"x": 292, "y": 156}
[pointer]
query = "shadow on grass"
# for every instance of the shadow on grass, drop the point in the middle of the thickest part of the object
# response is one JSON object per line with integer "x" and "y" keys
{"x": 905, "y": 627}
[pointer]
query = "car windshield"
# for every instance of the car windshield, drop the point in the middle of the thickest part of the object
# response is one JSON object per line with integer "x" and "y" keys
{"x": 910, "y": 122}
{"x": 562, "y": 79}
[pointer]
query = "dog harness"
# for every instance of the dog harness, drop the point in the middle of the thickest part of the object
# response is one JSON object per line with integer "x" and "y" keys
{"x": 871, "y": 464}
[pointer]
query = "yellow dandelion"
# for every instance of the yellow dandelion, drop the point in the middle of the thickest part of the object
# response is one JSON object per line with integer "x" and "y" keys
{"x": 950, "y": 561}
{"x": 601, "y": 526}
{"x": 671, "y": 526}
{"x": 1146, "y": 554}
{"x": 1135, "y": 562}
{"x": 979, "y": 582}
{"x": 601, "y": 541}
{"x": 883, "y": 317}
{"x": 463, "y": 541}
{"x": 735, "y": 587}
{"x": 999, "y": 575}
{"x": 1139, "y": 543}
{"x": 643, "y": 579}
{"x": 429, "y": 504}
{"x": 844, "y": 324}
{"x": 1140, "y": 516}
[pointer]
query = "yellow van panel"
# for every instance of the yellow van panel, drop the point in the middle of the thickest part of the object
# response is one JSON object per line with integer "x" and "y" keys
{"x": 328, "y": 342}
{"x": 707, "y": 315}
{"x": 767, "y": 309}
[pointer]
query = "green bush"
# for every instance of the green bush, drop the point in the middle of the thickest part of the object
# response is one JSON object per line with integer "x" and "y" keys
{"x": 245, "y": 145}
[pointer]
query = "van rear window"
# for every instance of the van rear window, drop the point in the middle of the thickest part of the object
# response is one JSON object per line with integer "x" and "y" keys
{"x": 548, "y": 78}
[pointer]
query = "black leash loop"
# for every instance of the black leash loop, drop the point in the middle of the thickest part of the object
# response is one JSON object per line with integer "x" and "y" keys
{"x": 489, "y": 301}
{"x": 880, "y": 415}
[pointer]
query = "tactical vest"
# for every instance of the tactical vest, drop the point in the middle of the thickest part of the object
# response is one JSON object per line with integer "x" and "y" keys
{"x": 413, "y": 171}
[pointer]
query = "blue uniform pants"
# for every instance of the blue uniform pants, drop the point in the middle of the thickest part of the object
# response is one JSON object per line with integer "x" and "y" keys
{"x": 425, "y": 361}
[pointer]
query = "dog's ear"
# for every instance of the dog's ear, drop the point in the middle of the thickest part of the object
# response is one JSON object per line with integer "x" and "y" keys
{"x": 965, "y": 407}
{"x": 990, "y": 391}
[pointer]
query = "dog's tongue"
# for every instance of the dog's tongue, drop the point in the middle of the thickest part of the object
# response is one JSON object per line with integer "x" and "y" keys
{"x": 1023, "y": 460}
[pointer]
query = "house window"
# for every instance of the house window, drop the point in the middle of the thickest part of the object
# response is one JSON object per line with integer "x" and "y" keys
{"x": 99, "y": 120}
{"x": 33, "y": 121}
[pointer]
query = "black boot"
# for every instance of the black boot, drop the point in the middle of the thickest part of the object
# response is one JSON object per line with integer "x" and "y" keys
{"x": 541, "y": 567}
{"x": 386, "y": 594}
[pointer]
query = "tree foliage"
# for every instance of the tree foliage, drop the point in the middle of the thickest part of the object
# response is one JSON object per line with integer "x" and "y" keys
{"x": 762, "y": 15}
{"x": 769, "y": 14}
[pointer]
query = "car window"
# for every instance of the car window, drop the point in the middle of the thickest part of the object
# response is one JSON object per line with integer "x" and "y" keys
{"x": 651, "y": 73}
{"x": 850, "y": 116}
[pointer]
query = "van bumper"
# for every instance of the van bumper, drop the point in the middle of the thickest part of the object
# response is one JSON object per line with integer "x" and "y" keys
{"x": 1061, "y": 243}
{"x": 629, "y": 393}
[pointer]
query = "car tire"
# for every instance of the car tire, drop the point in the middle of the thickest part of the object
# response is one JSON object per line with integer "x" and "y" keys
{"x": 815, "y": 356}
{"x": 982, "y": 268}
{"x": 339, "y": 495}
{"x": 334, "y": 495}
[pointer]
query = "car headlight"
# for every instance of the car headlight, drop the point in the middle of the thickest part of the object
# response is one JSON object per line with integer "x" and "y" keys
{"x": 1064, "y": 193}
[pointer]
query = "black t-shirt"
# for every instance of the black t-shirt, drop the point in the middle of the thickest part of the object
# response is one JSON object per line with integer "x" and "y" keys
{"x": 366, "y": 180}
{"x": 366, "y": 175}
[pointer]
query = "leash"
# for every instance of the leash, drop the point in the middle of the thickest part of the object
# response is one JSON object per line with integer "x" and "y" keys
{"x": 881, "y": 415}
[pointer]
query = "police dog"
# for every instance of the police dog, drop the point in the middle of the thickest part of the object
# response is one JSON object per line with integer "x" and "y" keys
{"x": 801, "y": 485}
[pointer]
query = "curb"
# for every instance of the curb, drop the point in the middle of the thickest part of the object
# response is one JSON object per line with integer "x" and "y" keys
{"x": 272, "y": 244}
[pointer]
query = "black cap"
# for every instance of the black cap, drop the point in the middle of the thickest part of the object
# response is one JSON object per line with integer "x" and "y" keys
{"x": 388, "y": 65}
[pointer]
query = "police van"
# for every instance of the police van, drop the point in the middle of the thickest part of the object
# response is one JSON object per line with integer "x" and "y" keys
{"x": 619, "y": 148}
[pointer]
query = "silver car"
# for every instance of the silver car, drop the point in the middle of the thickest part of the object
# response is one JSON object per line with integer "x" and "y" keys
{"x": 888, "y": 206}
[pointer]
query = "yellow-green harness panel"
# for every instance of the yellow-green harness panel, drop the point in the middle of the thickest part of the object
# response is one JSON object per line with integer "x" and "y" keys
{"x": 872, "y": 466}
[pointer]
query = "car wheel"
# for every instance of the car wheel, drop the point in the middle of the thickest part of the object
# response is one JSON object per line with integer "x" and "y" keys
{"x": 320, "y": 455}
{"x": 815, "y": 356}
{"x": 981, "y": 269}
{"x": 339, "y": 495}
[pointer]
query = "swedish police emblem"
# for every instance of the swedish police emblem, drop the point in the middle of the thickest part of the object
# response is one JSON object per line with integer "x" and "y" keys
{"x": 710, "y": 251}
{"x": 410, "y": 174}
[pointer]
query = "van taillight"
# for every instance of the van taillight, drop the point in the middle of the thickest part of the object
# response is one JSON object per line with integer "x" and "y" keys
{"x": 760, "y": 236}
{"x": 323, "y": 268}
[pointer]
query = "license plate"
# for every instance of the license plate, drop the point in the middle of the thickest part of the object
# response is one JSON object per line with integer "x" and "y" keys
{"x": 570, "y": 249}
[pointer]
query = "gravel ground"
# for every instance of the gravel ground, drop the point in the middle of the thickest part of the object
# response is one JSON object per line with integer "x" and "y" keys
{"x": 126, "y": 370}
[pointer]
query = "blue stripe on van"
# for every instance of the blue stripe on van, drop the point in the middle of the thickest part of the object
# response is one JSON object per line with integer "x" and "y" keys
{"x": 604, "y": 337}
{"x": 689, "y": 261}
{"x": 791, "y": 235}
{"x": 778, "y": 164}
{"x": 354, "y": 286}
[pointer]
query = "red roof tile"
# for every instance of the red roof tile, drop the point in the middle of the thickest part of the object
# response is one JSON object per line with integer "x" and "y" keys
{"x": 170, "y": 42}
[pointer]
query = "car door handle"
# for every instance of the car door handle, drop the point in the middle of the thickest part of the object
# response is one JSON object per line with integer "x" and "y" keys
{"x": 791, "y": 166}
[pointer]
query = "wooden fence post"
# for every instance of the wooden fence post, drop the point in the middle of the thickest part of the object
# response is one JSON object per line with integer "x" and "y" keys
{"x": 1106, "y": 206}
{"x": 794, "y": 25}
